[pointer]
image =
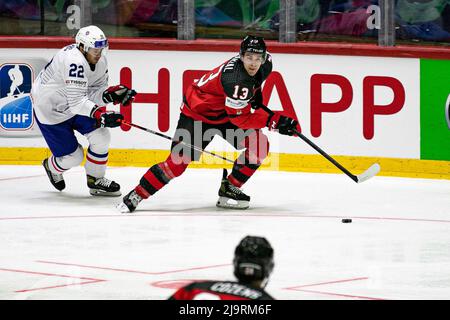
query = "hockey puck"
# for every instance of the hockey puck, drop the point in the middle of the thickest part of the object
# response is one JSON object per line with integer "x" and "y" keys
{"x": 346, "y": 220}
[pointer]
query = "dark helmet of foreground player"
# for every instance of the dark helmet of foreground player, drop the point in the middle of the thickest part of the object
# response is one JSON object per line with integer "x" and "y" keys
{"x": 253, "y": 260}
{"x": 253, "y": 44}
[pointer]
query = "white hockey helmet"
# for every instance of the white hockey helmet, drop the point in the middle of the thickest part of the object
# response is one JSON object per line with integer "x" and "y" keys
{"x": 91, "y": 37}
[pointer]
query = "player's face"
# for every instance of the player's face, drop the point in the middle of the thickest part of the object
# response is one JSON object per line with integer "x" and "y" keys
{"x": 252, "y": 62}
{"x": 93, "y": 55}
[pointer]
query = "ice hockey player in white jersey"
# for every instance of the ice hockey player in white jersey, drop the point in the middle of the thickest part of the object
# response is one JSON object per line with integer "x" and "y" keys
{"x": 70, "y": 94}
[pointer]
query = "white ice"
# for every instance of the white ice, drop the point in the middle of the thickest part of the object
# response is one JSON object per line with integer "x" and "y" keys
{"x": 70, "y": 245}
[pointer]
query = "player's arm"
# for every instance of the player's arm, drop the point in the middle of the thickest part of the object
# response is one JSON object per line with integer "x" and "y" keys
{"x": 262, "y": 117}
{"x": 248, "y": 120}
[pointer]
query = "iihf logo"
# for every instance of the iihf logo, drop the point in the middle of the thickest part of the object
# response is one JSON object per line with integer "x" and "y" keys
{"x": 15, "y": 103}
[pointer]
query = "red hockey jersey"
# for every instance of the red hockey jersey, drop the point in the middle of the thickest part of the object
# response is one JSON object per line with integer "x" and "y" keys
{"x": 223, "y": 94}
{"x": 219, "y": 290}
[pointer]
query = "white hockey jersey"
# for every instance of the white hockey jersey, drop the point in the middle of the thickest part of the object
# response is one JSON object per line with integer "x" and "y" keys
{"x": 67, "y": 86}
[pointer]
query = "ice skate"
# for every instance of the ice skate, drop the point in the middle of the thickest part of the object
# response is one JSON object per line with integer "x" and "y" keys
{"x": 230, "y": 196}
{"x": 130, "y": 202}
{"x": 103, "y": 187}
{"x": 56, "y": 179}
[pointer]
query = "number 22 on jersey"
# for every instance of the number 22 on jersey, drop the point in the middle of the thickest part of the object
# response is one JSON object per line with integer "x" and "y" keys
{"x": 76, "y": 71}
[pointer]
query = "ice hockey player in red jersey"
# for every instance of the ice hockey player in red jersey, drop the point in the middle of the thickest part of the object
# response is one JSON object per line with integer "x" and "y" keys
{"x": 220, "y": 103}
{"x": 253, "y": 263}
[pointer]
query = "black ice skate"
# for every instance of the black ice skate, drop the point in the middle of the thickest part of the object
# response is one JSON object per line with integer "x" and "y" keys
{"x": 230, "y": 196}
{"x": 56, "y": 179}
{"x": 130, "y": 202}
{"x": 103, "y": 187}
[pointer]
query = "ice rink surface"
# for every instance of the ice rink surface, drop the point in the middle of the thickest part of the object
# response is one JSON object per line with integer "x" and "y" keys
{"x": 70, "y": 245}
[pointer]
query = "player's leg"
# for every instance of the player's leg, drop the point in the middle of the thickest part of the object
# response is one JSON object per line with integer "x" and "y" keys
{"x": 176, "y": 163}
{"x": 256, "y": 147}
{"x": 96, "y": 157}
{"x": 66, "y": 152}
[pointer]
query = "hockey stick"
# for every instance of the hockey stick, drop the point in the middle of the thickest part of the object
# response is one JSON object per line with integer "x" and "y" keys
{"x": 177, "y": 141}
{"x": 369, "y": 173}
{"x": 366, "y": 175}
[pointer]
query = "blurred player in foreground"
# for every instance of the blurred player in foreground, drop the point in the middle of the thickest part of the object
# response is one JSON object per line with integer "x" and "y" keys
{"x": 253, "y": 264}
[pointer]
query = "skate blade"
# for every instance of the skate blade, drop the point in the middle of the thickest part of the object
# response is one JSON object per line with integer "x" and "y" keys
{"x": 228, "y": 203}
{"x": 122, "y": 207}
{"x": 102, "y": 193}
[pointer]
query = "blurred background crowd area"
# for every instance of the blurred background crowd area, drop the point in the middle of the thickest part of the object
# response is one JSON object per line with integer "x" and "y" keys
{"x": 416, "y": 21}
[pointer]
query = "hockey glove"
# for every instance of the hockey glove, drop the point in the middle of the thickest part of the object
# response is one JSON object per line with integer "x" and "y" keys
{"x": 283, "y": 124}
{"x": 109, "y": 119}
{"x": 119, "y": 94}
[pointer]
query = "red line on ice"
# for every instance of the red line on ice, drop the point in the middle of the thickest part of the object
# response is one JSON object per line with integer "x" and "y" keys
{"x": 60, "y": 286}
{"x": 89, "y": 280}
{"x": 328, "y": 282}
{"x": 25, "y": 177}
{"x": 299, "y": 288}
{"x": 340, "y": 294}
{"x": 131, "y": 271}
{"x": 224, "y": 215}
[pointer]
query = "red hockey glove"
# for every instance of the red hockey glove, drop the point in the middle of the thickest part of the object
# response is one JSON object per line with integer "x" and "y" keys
{"x": 283, "y": 124}
{"x": 105, "y": 118}
{"x": 119, "y": 94}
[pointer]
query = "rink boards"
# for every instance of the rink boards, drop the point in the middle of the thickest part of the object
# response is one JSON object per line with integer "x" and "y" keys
{"x": 359, "y": 109}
